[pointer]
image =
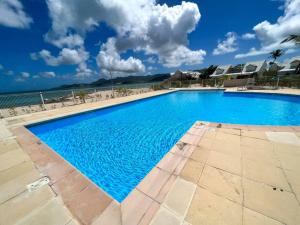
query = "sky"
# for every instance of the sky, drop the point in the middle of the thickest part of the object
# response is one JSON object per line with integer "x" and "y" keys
{"x": 47, "y": 43}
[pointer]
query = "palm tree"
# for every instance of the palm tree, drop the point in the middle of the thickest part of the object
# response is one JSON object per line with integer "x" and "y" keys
{"x": 275, "y": 55}
{"x": 296, "y": 39}
{"x": 293, "y": 37}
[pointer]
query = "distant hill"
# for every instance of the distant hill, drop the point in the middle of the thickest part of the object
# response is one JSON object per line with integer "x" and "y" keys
{"x": 118, "y": 81}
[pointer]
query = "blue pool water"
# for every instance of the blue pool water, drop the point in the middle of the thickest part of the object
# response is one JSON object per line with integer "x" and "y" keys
{"x": 116, "y": 147}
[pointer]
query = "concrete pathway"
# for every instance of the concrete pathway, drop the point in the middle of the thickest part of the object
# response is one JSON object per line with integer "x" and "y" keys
{"x": 237, "y": 176}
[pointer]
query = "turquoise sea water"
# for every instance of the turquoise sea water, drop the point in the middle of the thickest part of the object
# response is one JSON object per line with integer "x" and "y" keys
{"x": 116, "y": 147}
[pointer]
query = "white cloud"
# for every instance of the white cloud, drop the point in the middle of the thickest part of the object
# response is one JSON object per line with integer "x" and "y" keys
{"x": 69, "y": 41}
{"x": 151, "y": 68}
{"x": 25, "y": 75}
{"x": 49, "y": 74}
{"x": 20, "y": 79}
{"x": 228, "y": 45}
{"x": 9, "y": 72}
{"x": 65, "y": 57}
{"x": 248, "y": 36}
{"x": 270, "y": 35}
{"x": 13, "y": 15}
{"x": 151, "y": 60}
{"x": 83, "y": 71}
{"x": 109, "y": 60}
{"x": 183, "y": 54}
{"x": 141, "y": 25}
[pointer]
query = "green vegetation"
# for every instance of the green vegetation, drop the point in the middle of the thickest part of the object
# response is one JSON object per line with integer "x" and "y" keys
{"x": 82, "y": 96}
{"x": 123, "y": 91}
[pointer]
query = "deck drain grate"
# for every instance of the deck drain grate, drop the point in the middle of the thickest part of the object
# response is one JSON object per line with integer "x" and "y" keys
{"x": 38, "y": 184}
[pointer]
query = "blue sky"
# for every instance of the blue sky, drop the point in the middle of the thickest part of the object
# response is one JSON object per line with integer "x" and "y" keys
{"x": 48, "y": 43}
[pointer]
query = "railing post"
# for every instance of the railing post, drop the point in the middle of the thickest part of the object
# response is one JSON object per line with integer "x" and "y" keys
{"x": 73, "y": 96}
{"x": 42, "y": 99}
{"x": 277, "y": 84}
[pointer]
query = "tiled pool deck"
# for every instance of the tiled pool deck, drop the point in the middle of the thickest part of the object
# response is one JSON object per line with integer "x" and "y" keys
{"x": 216, "y": 174}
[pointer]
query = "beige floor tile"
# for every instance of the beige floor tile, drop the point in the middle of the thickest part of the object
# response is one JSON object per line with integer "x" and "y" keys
{"x": 205, "y": 143}
{"x": 165, "y": 189}
{"x": 153, "y": 182}
{"x": 265, "y": 173}
{"x": 260, "y": 155}
{"x": 284, "y": 137}
{"x": 225, "y": 162}
{"x": 256, "y": 143}
{"x": 12, "y": 158}
{"x": 287, "y": 149}
{"x": 134, "y": 207}
{"x": 200, "y": 155}
{"x": 54, "y": 212}
{"x": 222, "y": 183}
{"x": 289, "y": 161}
{"x": 211, "y": 134}
{"x": 251, "y": 217}
{"x": 17, "y": 208}
{"x": 73, "y": 222}
{"x": 8, "y": 145}
{"x": 230, "y": 131}
{"x": 280, "y": 205}
{"x": 228, "y": 138}
{"x": 294, "y": 180}
{"x": 196, "y": 131}
{"x": 150, "y": 213}
{"x": 110, "y": 216}
{"x": 169, "y": 162}
{"x": 192, "y": 171}
{"x": 231, "y": 147}
{"x": 16, "y": 171}
{"x": 19, "y": 184}
{"x": 254, "y": 134}
{"x": 210, "y": 209}
{"x": 182, "y": 149}
{"x": 179, "y": 198}
{"x": 165, "y": 217}
{"x": 191, "y": 139}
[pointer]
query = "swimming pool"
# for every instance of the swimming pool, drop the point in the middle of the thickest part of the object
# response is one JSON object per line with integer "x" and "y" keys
{"x": 116, "y": 147}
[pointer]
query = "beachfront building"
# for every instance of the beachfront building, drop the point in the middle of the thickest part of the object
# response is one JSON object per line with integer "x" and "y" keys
{"x": 220, "y": 71}
{"x": 185, "y": 75}
{"x": 276, "y": 66}
{"x": 255, "y": 68}
{"x": 235, "y": 71}
{"x": 292, "y": 66}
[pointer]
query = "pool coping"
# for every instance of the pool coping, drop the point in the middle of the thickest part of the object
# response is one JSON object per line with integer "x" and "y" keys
{"x": 261, "y": 92}
{"x": 89, "y": 203}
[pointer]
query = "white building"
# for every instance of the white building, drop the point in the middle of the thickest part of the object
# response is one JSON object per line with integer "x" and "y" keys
{"x": 221, "y": 71}
{"x": 185, "y": 74}
{"x": 290, "y": 66}
{"x": 258, "y": 67}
